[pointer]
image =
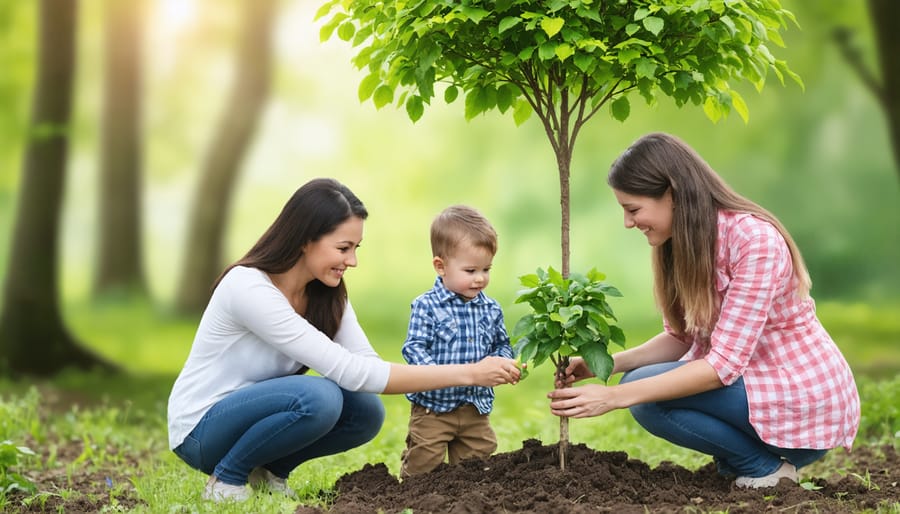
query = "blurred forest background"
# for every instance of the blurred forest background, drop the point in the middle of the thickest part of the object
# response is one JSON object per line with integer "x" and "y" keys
{"x": 820, "y": 158}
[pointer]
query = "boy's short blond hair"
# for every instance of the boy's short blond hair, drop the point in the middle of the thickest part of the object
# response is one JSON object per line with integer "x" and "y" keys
{"x": 459, "y": 224}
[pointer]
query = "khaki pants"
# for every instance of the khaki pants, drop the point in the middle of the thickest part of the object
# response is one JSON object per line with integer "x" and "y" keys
{"x": 460, "y": 434}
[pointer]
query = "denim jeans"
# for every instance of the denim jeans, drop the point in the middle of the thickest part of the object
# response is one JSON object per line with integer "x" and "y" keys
{"x": 280, "y": 424}
{"x": 716, "y": 423}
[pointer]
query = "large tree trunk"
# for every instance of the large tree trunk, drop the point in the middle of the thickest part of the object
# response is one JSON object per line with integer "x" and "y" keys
{"x": 33, "y": 337}
{"x": 885, "y": 14}
{"x": 212, "y": 198}
{"x": 119, "y": 263}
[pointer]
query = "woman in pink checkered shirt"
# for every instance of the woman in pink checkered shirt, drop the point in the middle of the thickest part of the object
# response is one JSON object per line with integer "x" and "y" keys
{"x": 743, "y": 370}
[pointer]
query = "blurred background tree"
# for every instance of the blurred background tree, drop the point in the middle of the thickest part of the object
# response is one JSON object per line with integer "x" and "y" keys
{"x": 119, "y": 263}
{"x": 883, "y": 79}
{"x": 234, "y": 134}
{"x": 33, "y": 337}
{"x": 820, "y": 159}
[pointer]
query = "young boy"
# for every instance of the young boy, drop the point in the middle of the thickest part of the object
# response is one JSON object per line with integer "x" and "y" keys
{"x": 454, "y": 323}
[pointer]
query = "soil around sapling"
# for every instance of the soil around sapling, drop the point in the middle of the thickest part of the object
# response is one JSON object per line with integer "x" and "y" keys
{"x": 529, "y": 481}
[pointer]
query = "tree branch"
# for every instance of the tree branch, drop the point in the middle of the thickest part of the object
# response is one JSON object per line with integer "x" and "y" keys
{"x": 843, "y": 37}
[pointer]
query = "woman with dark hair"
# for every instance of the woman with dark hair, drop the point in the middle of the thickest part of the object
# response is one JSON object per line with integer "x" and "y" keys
{"x": 241, "y": 410}
{"x": 743, "y": 370}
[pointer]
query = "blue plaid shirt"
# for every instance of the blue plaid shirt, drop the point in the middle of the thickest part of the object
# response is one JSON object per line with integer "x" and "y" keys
{"x": 445, "y": 329}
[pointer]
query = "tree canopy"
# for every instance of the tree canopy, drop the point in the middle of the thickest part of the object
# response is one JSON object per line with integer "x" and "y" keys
{"x": 561, "y": 59}
{"x": 525, "y": 55}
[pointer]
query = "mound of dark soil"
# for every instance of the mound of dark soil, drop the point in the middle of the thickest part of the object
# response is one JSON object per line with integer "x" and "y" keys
{"x": 530, "y": 481}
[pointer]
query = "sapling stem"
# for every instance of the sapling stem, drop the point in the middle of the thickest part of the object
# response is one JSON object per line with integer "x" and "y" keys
{"x": 561, "y": 364}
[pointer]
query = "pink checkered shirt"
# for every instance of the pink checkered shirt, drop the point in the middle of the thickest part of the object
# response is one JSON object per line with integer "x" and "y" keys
{"x": 800, "y": 389}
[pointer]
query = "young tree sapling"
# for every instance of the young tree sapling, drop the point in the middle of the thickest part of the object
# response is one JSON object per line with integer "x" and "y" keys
{"x": 570, "y": 317}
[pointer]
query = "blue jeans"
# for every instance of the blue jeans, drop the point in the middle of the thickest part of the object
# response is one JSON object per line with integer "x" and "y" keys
{"x": 280, "y": 424}
{"x": 716, "y": 423}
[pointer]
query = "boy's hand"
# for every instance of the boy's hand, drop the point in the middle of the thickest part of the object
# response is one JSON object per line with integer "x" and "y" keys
{"x": 523, "y": 368}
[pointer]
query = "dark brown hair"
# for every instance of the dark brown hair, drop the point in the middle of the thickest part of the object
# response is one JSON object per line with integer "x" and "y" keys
{"x": 314, "y": 210}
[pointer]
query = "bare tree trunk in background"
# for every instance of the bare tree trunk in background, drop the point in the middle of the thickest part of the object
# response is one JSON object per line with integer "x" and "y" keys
{"x": 212, "y": 197}
{"x": 886, "y": 88}
{"x": 33, "y": 336}
{"x": 119, "y": 264}
{"x": 885, "y": 15}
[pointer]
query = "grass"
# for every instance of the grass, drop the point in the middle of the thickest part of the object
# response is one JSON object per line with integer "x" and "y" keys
{"x": 118, "y": 422}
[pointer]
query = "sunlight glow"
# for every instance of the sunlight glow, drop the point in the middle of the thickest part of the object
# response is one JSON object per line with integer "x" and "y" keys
{"x": 176, "y": 15}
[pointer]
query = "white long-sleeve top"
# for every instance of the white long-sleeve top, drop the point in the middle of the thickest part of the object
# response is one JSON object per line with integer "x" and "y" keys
{"x": 249, "y": 333}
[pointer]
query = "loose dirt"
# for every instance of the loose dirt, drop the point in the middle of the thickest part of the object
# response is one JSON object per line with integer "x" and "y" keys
{"x": 524, "y": 481}
{"x": 530, "y": 481}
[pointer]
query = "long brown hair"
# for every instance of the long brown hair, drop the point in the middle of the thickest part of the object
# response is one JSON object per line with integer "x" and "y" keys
{"x": 314, "y": 210}
{"x": 684, "y": 266}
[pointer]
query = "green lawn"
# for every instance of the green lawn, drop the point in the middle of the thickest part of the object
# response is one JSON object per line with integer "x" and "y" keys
{"x": 116, "y": 417}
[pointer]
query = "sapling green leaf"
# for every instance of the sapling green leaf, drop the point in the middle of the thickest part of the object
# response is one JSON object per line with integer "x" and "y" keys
{"x": 570, "y": 317}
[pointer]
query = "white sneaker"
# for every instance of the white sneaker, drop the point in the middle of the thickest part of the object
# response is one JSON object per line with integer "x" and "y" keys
{"x": 787, "y": 470}
{"x": 220, "y": 491}
{"x": 263, "y": 478}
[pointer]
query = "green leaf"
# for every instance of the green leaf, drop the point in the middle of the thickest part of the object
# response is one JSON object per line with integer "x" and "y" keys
{"x": 383, "y": 95}
{"x": 626, "y": 55}
{"x": 565, "y": 350}
{"x": 414, "y": 108}
{"x": 474, "y": 13}
{"x": 547, "y": 51}
{"x": 367, "y": 86}
{"x": 598, "y": 360}
{"x": 551, "y": 26}
{"x": 564, "y": 51}
{"x": 737, "y": 101}
{"x": 526, "y": 349}
{"x": 522, "y": 112}
{"x": 526, "y": 53}
{"x": 616, "y": 335}
{"x": 328, "y": 28}
{"x": 585, "y": 62}
{"x": 325, "y": 9}
{"x": 505, "y": 96}
{"x": 620, "y": 108}
{"x": 555, "y": 277}
{"x": 645, "y": 68}
{"x": 654, "y": 24}
{"x": 508, "y": 23}
{"x": 712, "y": 108}
{"x": 523, "y": 327}
{"x": 474, "y": 103}
{"x": 346, "y": 31}
{"x": 530, "y": 280}
{"x": 450, "y": 94}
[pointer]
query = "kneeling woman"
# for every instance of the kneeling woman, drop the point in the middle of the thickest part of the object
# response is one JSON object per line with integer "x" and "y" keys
{"x": 744, "y": 370}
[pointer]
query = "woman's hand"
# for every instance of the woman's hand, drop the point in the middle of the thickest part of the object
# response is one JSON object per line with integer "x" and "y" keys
{"x": 577, "y": 370}
{"x": 583, "y": 402}
{"x": 492, "y": 371}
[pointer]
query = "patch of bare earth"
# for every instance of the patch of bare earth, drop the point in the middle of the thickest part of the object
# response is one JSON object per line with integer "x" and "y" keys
{"x": 524, "y": 481}
{"x": 76, "y": 484}
{"x": 530, "y": 481}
